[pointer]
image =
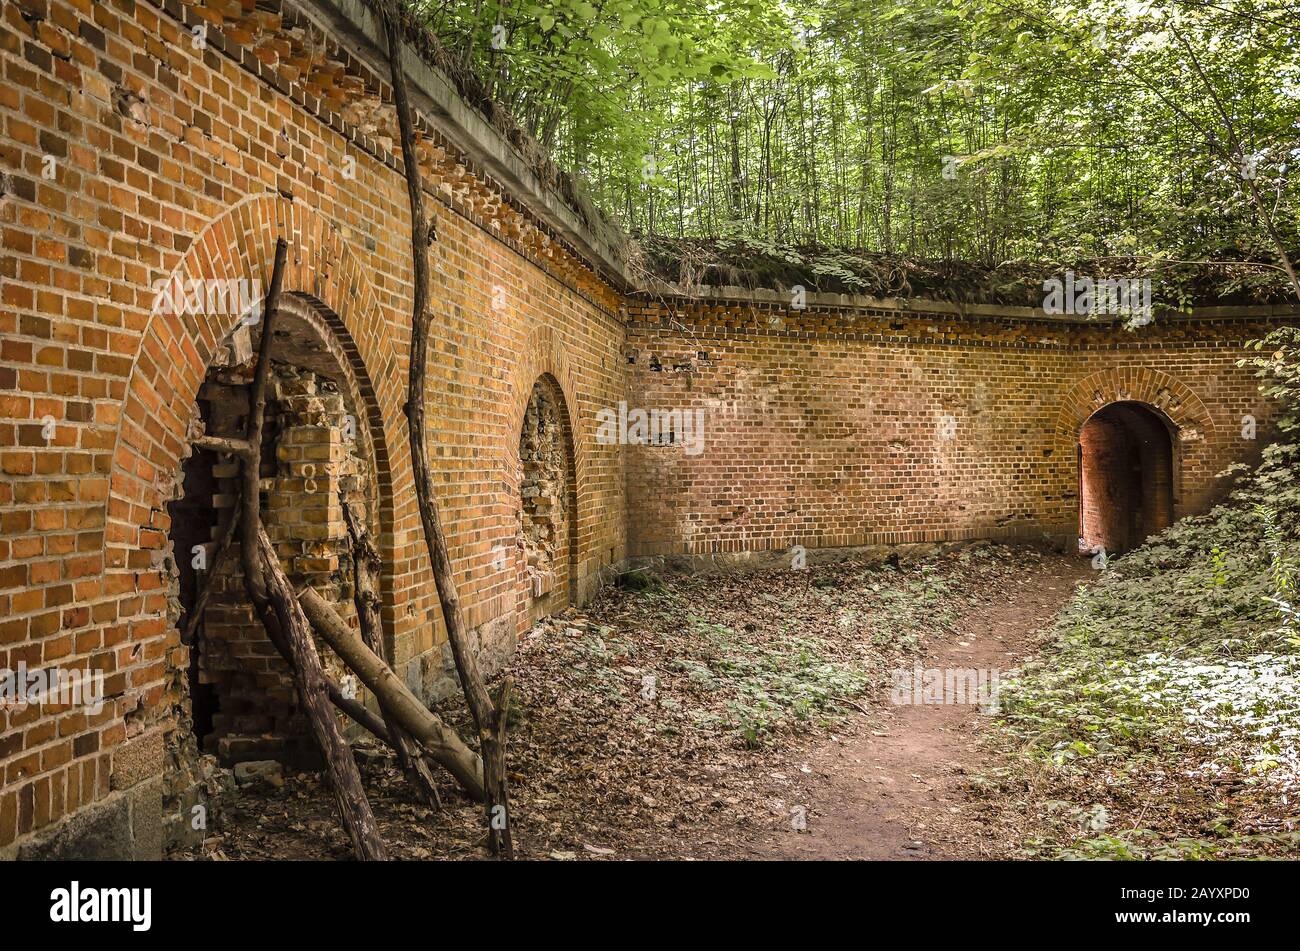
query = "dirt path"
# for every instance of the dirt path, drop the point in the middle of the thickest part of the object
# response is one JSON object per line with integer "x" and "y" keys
{"x": 892, "y": 788}
{"x": 602, "y": 772}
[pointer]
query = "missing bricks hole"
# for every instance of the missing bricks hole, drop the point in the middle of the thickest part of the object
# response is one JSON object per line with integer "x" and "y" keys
{"x": 234, "y": 699}
{"x": 545, "y": 512}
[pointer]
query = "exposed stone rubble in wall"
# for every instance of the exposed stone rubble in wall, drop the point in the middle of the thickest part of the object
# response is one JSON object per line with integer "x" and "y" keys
{"x": 319, "y": 470}
{"x": 181, "y": 777}
{"x": 312, "y": 467}
{"x": 543, "y": 514}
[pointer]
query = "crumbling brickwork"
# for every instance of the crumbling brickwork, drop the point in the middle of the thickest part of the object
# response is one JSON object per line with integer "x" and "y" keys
{"x": 232, "y": 694}
{"x": 544, "y": 487}
{"x": 313, "y": 467}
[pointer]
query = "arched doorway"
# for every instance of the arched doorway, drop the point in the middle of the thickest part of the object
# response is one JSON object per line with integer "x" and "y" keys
{"x": 547, "y": 504}
{"x": 1126, "y": 476}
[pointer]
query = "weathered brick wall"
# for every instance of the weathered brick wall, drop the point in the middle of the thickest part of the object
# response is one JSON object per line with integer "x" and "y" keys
{"x": 848, "y": 426}
{"x": 168, "y": 160}
{"x": 128, "y": 156}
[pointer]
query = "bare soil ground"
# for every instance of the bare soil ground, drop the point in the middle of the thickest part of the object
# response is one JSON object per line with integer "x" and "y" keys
{"x": 745, "y": 716}
{"x": 896, "y": 787}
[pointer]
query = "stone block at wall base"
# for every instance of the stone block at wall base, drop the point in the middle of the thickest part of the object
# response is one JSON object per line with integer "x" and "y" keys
{"x": 497, "y": 641}
{"x": 146, "y": 807}
{"x": 99, "y": 832}
{"x": 138, "y": 759}
{"x": 127, "y": 825}
{"x": 432, "y": 675}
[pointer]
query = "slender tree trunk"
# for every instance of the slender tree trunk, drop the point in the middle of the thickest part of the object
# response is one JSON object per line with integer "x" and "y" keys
{"x": 491, "y": 726}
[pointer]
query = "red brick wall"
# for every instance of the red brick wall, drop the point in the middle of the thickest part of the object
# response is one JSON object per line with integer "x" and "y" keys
{"x": 171, "y": 160}
{"x": 853, "y": 426}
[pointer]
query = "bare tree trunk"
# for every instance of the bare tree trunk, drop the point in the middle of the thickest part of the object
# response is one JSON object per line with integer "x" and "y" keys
{"x": 491, "y": 727}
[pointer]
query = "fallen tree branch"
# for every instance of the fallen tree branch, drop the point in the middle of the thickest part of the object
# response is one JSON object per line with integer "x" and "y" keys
{"x": 345, "y": 779}
{"x": 435, "y": 737}
{"x": 358, "y": 712}
{"x": 250, "y": 516}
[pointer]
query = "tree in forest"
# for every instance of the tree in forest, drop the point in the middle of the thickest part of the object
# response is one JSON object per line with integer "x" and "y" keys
{"x": 974, "y": 130}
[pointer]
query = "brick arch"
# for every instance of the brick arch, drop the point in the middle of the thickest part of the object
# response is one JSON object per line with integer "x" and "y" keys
{"x": 1157, "y": 389}
{"x": 1192, "y": 434}
{"x": 543, "y": 355}
{"x": 550, "y": 383}
{"x": 175, "y": 351}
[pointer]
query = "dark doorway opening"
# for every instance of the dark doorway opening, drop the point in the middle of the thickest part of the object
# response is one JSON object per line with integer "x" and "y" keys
{"x": 195, "y": 523}
{"x": 1126, "y": 477}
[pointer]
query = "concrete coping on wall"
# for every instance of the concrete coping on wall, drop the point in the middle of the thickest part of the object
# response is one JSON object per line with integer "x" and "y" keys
{"x": 779, "y": 299}
{"x": 438, "y": 100}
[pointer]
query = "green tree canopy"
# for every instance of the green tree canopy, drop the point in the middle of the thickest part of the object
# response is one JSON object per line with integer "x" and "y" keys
{"x": 976, "y": 130}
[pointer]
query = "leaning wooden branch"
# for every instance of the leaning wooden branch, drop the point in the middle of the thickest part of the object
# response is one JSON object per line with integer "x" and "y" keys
{"x": 358, "y": 712}
{"x": 214, "y": 570}
{"x": 275, "y": 604}
{"x": 365, "y": 568}
{"x": 250, "y": 516}
{"x": 239, "y": 447}
{"x": 487, "y": 717}
{"x": 345, "y": 779}
{"x": 435, "y": 737}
